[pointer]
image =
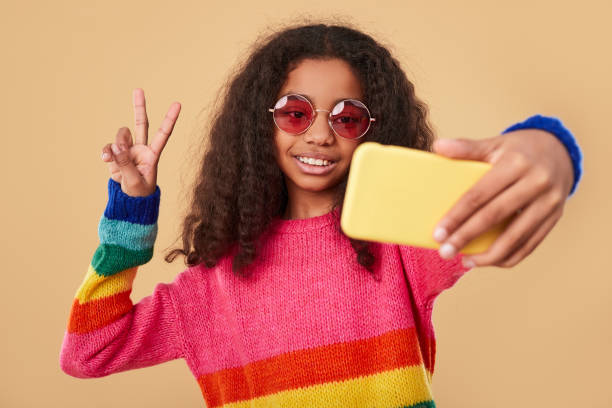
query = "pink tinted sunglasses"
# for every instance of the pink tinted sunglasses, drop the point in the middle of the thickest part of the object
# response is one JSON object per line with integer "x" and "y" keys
{"x": 294, "y": 114}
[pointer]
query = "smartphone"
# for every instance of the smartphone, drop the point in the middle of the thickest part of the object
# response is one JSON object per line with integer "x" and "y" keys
{"x": 398, "y": 195}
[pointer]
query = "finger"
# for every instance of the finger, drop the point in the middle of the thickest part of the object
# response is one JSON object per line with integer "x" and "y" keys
{"x": 165, "y": 130}
{"x": 468, "y": 149}
{"x": 107, "y": 154}
{"x": 521, "y": 227}
{"x": 124, "y": 138}
{"x": 109, "y": 158}
{"x": 505, "y": 204}
{"x": 141, "y": 122}
{"x": 532, "y": 242}
{"x": 121, "y": 156}
{"x": 501, "y": 175}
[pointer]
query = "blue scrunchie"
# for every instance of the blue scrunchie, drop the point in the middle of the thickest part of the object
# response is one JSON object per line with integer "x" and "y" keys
{"x": 555, "y": 126}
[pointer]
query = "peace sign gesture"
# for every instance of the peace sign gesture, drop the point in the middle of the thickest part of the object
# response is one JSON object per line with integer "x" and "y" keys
{"x": 134, "y": 165}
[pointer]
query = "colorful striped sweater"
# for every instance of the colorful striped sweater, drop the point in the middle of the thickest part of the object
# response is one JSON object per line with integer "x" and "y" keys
{"x": 308, "y": 327}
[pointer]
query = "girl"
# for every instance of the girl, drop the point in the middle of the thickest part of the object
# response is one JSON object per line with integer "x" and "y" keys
{"x": 277, "y": 307}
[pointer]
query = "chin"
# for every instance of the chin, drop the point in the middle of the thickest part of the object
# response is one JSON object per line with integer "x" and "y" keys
{"x": 315, "y": 185}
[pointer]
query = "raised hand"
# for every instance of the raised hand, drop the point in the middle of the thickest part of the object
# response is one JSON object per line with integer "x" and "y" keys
{"x": 134, "y": 164}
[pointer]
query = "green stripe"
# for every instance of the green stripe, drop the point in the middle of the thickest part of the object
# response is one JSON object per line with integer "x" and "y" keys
{"x": 136, "y": 237}
{"x": 424, "y": 404}
{"x": 111, "y": 259}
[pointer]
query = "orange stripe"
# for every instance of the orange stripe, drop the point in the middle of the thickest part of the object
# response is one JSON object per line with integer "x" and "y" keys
{"x": 334, "y": 362}
{"x": 99, "y": 312}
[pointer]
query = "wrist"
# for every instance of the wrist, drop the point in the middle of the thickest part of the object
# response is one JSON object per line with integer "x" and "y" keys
{"x": 556, "y": 127}
{"x": 140, "y": 210}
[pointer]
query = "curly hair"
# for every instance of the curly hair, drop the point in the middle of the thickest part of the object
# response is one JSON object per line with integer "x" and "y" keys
{"x": 240, "y": 188}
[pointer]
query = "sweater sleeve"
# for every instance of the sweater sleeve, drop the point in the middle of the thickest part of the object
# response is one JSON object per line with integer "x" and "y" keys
{"x": 106, "y": 332}
{"x": 429, "y": 274}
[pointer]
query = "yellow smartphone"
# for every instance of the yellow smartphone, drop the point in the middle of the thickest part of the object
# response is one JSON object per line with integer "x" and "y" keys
{"x": 398, "y": 195}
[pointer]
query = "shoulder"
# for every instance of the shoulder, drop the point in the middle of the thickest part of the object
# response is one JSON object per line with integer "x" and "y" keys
{"x": 189, "y": 280}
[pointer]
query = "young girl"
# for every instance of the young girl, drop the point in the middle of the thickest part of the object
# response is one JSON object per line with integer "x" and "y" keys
{"x": 277, "y": 306}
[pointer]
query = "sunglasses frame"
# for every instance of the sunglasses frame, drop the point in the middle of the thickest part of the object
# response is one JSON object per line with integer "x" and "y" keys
{"x": 316, "y": 111}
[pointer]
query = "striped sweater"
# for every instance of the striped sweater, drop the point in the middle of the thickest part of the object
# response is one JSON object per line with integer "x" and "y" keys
{"x": 309, "y": 326}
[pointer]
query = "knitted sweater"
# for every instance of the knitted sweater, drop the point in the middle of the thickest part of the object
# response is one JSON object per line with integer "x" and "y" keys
{"x": 309, "y": 326}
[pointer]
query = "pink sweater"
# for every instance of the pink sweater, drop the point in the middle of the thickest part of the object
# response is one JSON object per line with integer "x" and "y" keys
{"x": 308, "y": 327}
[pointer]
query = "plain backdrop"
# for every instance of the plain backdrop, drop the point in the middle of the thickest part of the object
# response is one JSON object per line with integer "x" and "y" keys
{"x": 538, "y": 334}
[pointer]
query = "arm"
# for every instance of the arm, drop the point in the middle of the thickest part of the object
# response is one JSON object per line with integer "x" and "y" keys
{"x": 106, "y": 332}
{"x": 429, "y": 274}
{"x": 536, "y": 166}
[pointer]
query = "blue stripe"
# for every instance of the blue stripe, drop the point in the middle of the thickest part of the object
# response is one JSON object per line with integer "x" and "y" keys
{"x": 141, "y": 210}
{"x": 136, "y": 237}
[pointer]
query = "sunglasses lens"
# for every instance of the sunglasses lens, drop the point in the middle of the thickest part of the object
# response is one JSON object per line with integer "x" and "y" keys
{"x": 293, "y": 114}
{"x": 350, "y": 119}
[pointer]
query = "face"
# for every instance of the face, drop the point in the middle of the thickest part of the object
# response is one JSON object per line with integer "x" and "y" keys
{"x": 324, "y": 82}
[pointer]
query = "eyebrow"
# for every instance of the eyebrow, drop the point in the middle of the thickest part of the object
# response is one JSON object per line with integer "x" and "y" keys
{"x": 313, "y": 101}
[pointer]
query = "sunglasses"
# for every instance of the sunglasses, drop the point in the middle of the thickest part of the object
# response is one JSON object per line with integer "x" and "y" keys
{"x": 294, "y": 114}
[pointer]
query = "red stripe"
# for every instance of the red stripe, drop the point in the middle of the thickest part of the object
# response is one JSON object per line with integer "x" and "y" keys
{"x": 335, "y": 362}
{"x": 99, "y": 312}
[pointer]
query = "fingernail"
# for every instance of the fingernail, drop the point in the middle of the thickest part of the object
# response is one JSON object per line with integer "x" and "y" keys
{"x": 468, "y": 263}
{"x": 105, "y": 156}
{"x": 440, "y": 234}
{"x": 447, "y": 251}
{"x": 115, "y": 148}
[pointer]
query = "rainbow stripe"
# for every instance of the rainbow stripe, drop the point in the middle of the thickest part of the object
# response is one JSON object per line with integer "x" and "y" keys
{"x": 362, "y": 370}
{"x": 127, "y": 232}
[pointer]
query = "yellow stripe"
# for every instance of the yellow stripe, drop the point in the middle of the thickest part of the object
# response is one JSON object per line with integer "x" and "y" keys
{"x": 393, "y": 388}
{"x": 95, "y": 286}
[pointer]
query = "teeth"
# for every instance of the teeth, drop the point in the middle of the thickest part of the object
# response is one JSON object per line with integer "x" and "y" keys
{"x": 315, "y": 162}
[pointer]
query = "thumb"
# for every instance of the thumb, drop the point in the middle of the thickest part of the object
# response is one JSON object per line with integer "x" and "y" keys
{"x": 466, "y": 149}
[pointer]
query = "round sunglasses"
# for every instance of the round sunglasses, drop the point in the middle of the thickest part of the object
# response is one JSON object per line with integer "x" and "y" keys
{"x": 294, "y": 114}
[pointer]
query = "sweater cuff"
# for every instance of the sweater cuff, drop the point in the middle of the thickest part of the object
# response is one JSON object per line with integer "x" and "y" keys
{"x": 141, "y": 210}
{"x": 555, "y": 126}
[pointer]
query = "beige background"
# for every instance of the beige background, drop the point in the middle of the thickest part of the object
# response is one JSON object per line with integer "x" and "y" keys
{"x": 538, "y": 334}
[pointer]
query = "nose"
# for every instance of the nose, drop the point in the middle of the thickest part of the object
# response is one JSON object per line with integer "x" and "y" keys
{"x": 320, "y": 132}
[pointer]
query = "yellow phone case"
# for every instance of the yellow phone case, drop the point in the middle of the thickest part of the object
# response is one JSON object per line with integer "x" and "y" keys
{"x": 398, "y": 195}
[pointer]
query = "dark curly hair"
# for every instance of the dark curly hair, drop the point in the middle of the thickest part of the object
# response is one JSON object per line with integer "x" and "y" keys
{"x": 240, "y": 188}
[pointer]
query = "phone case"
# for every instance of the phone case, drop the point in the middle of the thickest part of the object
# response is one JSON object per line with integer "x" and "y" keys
{"x": 397, "y": 195}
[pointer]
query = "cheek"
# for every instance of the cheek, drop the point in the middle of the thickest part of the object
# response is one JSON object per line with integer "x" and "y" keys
{"x": 281, "y": 146}
{"x": 348, "y": 148}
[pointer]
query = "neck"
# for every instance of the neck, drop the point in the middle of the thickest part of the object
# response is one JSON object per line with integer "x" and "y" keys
{"x": 308, "y": 204}
{"x": 302, "y": 210}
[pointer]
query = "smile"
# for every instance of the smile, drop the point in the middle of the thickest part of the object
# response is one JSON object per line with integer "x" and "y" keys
{"x": 319, "y": 167}
{"x": 316, "y": 162}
